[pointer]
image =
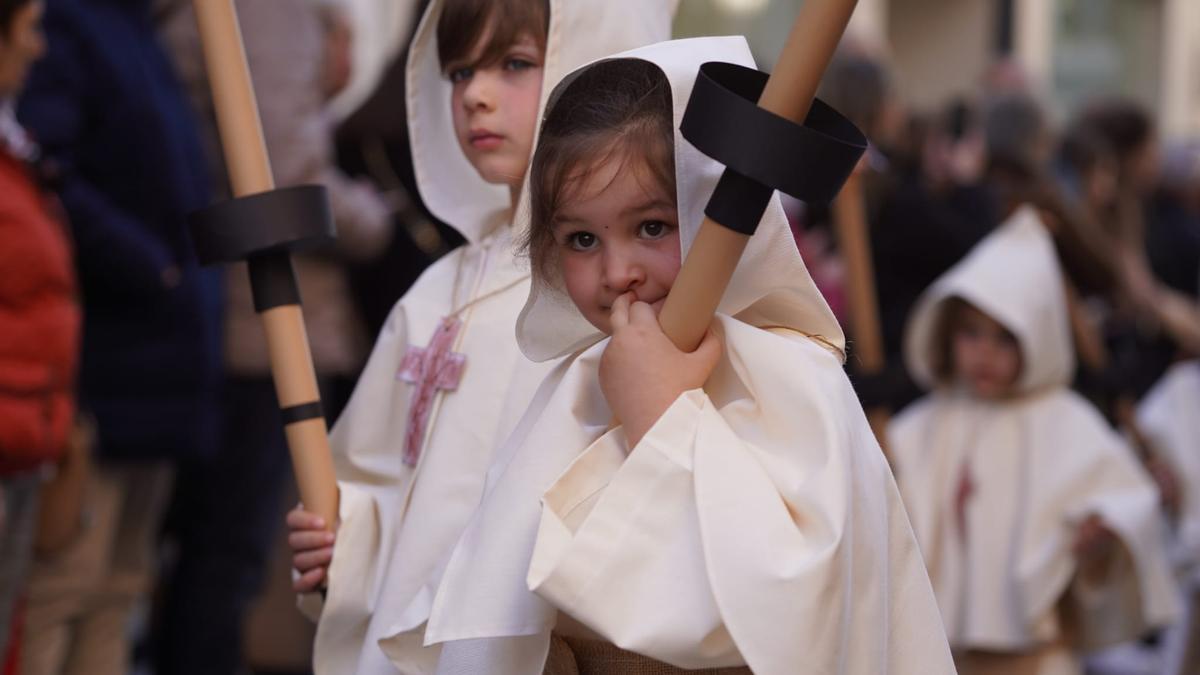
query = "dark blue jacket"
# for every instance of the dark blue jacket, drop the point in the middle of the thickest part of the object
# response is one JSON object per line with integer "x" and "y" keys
{"x": 106, "y": 107}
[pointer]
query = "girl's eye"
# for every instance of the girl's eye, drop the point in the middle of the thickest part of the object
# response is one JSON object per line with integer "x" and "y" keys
{"x": 460, "y": 75}
{"x": 518, "y": 63}
{"x": 582, "y": 241}
{"x": 654, "y": 229}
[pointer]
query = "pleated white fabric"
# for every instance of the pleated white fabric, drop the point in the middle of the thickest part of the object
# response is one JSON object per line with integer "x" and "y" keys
{"x": 756, "y": 523}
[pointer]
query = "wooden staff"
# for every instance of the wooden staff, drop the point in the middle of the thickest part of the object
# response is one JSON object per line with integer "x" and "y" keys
{"x": 789, "y": 93}
{"x": 849, "y": 217}
{"x": 279, "y": 219}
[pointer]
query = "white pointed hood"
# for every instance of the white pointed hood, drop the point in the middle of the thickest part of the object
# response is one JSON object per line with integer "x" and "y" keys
{"x": 449, "y": 185}
{"x": 1014, "y": 277}
{"x": 771, "y": 287}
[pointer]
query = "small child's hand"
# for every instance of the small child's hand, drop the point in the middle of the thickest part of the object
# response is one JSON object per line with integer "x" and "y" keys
{"x": 642, "y": 372}
{"x": 312, "y": 549}
{"x": 1093, "y": 547}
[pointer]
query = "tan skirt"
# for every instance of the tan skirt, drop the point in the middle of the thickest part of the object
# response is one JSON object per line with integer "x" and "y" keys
{"x": 578, "y": 656}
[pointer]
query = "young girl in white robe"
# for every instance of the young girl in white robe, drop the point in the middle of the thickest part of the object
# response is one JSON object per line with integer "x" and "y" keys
{"x": 1040, "y": 529}
{"x": 446, "y": 382}
{"x": 1169, "y": 419}
{"x": 741, "y": 516}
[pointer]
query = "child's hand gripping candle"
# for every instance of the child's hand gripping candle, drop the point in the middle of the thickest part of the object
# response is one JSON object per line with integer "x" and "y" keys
{"x": 750, "y": 523}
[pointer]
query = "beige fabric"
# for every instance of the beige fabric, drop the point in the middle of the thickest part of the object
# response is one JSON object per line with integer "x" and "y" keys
{"x": 1168, "y": 418}
{"x": 756, "y": 524}
{"x": 1055, "y": 658}
{"x": 387, "y": 564}
{"x": 81, "y": 598}
{"x": 1038, "y": 464}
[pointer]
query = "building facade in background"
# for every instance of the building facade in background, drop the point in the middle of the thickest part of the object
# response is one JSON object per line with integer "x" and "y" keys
{"x": 1072, "y": 50}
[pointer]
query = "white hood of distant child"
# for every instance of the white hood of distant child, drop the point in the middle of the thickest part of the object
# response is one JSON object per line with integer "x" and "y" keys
{"x": 1037, "y": 464}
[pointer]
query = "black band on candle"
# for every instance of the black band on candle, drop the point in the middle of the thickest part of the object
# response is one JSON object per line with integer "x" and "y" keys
{"x": 301, "y": 413}
{"x": 273, "y": 281}
{"x": 762, "y": 151}
{"x": 286, "y": 219}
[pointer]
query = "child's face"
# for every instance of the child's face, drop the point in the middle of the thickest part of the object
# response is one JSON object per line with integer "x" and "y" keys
{"x": 495, "y": 110}
{"x": 987, "y": 358}
{"x": 619, "y": 233}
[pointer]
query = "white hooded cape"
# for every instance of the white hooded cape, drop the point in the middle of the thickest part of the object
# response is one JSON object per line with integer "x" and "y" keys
{"x": 385, "y": 561}
{"x": 1169, "y": 416}
{"x": 1039, "y": 462}
{"x": 756, "y": 523}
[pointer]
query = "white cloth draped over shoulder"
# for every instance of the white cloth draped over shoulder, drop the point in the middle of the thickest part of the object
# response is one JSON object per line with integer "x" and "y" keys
{"x": 757, "y": 523}
{"x": 399, "y": 523}
{"x": 1169, "y": 416}
{"x": 996, "y": 489}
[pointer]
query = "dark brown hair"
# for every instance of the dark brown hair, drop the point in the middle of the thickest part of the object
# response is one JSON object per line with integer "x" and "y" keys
{"x": 615, "y": 109}
{"x": 1123, "y": 123}
{"x": 463, "y": 23}
{"x": 941, "y": 348}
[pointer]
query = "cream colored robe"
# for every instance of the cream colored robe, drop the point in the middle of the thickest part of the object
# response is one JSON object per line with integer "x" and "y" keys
{"x": 756, "y": 523}
{"x": 399, "y": 523}
{"x": 1168, "y": 417}
{"x": 1039, "y": 464}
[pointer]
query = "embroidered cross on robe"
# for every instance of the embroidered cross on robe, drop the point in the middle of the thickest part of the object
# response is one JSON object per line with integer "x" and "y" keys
{"x": 431, "y": 369}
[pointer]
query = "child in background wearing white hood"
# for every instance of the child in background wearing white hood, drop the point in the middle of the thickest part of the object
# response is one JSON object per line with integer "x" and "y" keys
{"x": 1040, "y": 530}
{"x": 1169, "y": 418}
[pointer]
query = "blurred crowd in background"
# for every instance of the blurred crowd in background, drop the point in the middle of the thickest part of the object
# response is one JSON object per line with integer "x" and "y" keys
{"x": 143, "y": 471}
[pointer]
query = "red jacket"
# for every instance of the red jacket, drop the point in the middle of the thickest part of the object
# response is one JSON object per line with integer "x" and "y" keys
{"x": 39, "y": 323}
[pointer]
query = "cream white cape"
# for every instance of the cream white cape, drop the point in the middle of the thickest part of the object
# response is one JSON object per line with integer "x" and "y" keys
{"x": 756, "y": 523}
{"x": 1169, "y": 416}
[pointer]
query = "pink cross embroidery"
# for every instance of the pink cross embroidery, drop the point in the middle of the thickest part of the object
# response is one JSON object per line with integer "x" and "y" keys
{"x": 431, "y": 369}
{"x": 962, "y": 494}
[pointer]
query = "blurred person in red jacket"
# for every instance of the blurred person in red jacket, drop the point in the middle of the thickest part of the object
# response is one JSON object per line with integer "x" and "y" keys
{"x": 39, "y": 321}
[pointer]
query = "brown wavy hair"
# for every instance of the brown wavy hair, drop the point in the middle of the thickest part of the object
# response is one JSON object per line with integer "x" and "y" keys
{"x": 463, "y": 23}
{"x": 617, "y": 109}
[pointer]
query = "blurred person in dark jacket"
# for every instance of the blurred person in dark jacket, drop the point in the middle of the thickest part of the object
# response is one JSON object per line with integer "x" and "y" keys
{"x": 105, "y": 106}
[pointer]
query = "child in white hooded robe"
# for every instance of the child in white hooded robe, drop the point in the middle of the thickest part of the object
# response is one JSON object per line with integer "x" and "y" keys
{"x": 1040, "y": 529}
{"x": 1169, "y": 419}
{"x": 755, "y": 523}
{"x": 411, "y": 467}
